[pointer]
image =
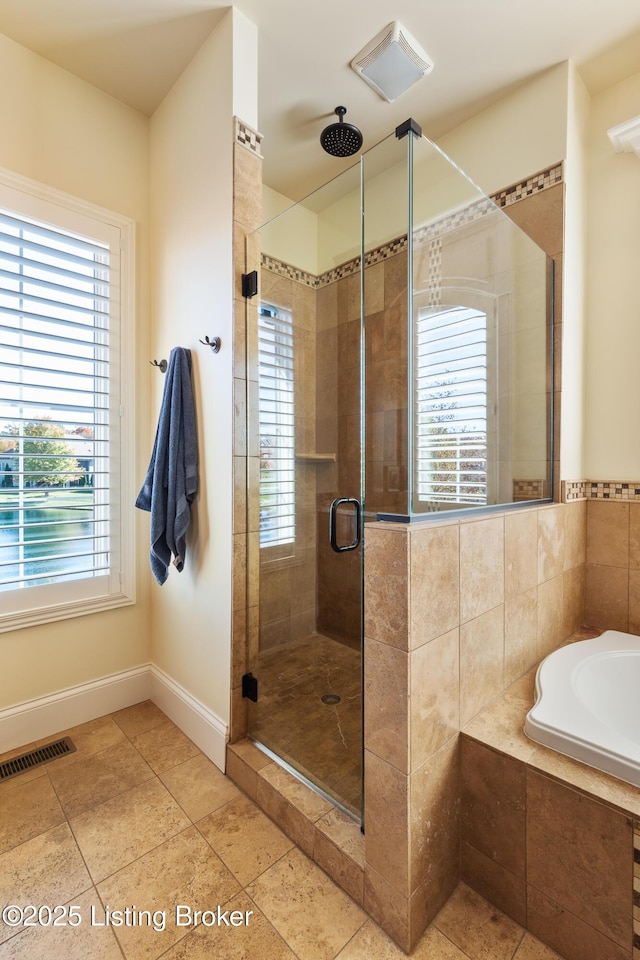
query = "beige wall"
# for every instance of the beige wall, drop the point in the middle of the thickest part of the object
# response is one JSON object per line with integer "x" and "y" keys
{"x": 292, "y": 238}
{"x": 64, "y": 133}
{"x": 523, "y": 133}
{"x": 572, "y": 414}
{"x": 540, "y": 124}
{"x": 192, "y": 195}
{"x": 67, "y": 134}
{"x": 612, "y": 393}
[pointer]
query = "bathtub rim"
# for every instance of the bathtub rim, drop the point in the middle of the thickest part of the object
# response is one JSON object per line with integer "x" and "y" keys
{"x": 561, "y": 721}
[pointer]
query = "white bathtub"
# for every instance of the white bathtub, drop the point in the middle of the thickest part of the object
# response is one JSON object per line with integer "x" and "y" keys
{"x": 588, "y": 703}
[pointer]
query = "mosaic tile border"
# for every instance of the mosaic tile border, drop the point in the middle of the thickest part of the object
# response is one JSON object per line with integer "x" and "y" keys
{"x": 470, "y": 213}
{"x": 612, "y": 490}
{"x": 550, "y": 177}
{"x": 529, "y": 490}
{"x": 282, "y": 269}
{"x": 636, "y": 890}
{"x": 347, "y": 269}
{"x": 434, "y": 277}
{"x": 574, "y": 490}
{"x": 599, "y": 490}
{"x": 432, "y": 233}
{"x": 247, "y": 136}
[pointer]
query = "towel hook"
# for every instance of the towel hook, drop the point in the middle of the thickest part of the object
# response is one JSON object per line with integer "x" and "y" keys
{"x": 162, "y": 365}
{"x": 215, "y": 343}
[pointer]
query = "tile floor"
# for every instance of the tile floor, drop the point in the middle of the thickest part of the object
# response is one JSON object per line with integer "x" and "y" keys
{"x": 323, "y": 741}
{"x": 139, "y": 821}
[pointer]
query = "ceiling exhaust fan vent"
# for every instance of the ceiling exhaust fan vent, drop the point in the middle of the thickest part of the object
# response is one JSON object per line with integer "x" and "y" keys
{"x": 392, "y": 62}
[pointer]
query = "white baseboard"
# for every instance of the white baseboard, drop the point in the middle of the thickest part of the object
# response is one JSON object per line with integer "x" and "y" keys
{"x": 200, "y": 724}
{"x": 47, "y": 716}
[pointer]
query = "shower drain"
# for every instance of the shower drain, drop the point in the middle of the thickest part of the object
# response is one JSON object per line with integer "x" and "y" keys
{"x": 330, "y": 699}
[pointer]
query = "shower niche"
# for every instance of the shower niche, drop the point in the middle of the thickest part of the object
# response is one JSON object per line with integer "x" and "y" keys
{"x": 400, "y": 356}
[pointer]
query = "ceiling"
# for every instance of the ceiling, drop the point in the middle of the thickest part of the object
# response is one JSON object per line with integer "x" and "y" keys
{"x": 136, "y": 49}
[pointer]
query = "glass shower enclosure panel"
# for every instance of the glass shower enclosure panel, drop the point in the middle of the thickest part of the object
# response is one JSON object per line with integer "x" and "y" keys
{"x": 481, "y": 345}
{"x": 306, "y": 489}
{"x": 399, "y": 364}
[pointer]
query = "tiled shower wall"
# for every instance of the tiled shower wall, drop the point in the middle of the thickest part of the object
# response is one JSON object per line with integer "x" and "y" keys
{"x": 326, "y": 316}
{"x": 326, "y": 319}
{"x": 288, "y": 587}
{"x": 247, "y": 217}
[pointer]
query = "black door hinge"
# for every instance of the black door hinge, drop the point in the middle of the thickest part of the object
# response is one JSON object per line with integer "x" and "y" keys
{"x": 250, "y": 687}
{"x": 250, "y": 284}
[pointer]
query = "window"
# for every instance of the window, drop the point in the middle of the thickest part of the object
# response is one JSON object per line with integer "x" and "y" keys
{"x": 277, "y": 430}
{"x": 451, "y": 388}
{"x": 64, "y": 549}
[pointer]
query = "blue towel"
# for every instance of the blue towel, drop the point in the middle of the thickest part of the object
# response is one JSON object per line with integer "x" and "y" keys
{"x": 172, "y": 478}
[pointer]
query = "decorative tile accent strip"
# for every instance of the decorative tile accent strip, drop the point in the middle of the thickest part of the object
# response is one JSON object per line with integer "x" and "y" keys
{"x": 574, "y": 490}
{"x": 434, "y": 279}
{"x": 387, "y": 250}
{"x": 453, "y": 221}
{"x": 347, "y": 269}
{"x": 431, "y": 233}
{"x": 520, "y": 191}
{"x": 249, "y": 138}
{"x": 528, "y": 490}
{"x": 612, "y": 490}
{"x": 283, "y": 269}
{"x": 600, "y": 490}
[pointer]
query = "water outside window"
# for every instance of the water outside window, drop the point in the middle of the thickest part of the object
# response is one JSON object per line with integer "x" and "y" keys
{"x": 54, "y": 319}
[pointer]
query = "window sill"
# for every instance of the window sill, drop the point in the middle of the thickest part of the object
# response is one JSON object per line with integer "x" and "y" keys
{"x": 63, "y": 611}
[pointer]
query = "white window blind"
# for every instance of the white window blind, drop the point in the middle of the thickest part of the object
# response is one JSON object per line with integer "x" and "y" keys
{"x": 277, "y": 427}
{"x": 451, "y": 388}
{"x": 60, "y": 440}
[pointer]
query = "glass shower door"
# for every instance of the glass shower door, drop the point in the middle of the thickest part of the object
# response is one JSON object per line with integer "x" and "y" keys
{"x": 306, "y": 490}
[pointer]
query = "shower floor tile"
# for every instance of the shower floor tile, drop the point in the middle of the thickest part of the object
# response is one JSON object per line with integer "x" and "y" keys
{"x": 295, "y": 910}
{"x": 321, "y": 740}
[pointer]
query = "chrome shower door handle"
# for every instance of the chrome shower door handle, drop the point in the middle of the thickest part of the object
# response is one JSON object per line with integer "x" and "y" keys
{"x": 333, "y": 524}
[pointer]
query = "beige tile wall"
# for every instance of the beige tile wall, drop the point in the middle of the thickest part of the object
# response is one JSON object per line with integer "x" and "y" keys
{"x": 386, "y": 416}
{"x": 338, "y": 404}
{"x": 541, "y": 216}
{"x": 247, "y": 217}
{"x": 613, "y": 565}
{"x": 553, "y": 858}
{"x": 288, "y": 588}
{"x": 454, "y": 613}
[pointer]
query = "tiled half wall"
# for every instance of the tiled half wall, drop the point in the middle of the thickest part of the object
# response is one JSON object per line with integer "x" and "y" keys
{"x": 551, "y": 844}
{"x": 454, "y": 613}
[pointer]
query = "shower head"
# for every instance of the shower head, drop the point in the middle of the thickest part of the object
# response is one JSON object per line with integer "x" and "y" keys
{"x": 341, "y": 139}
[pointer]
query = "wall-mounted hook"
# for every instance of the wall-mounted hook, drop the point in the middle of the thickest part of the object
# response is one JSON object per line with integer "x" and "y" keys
{"x": 215, "y": 343}
{"x": 163, "y": 365}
